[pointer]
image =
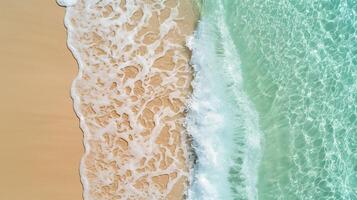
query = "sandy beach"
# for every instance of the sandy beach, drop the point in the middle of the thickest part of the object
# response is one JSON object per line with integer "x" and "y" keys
{"x": 41, "y": 143}
{"x": 178, "y": 100}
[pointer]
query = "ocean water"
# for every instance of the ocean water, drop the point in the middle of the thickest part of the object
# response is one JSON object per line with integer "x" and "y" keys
{"x": 273, "y": 113}
{"x": 222, "y": 120}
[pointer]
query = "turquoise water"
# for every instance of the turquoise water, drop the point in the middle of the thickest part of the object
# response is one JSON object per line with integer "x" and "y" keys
{"x": 274, "y": 107}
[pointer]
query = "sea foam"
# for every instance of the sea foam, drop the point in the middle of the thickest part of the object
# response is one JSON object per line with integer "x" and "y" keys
{"x": 67, "y": 2}
{"x": 222, "y": 120}
{"x": 130, "y": 95}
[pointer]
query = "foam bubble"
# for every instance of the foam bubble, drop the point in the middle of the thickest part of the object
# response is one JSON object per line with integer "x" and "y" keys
{"x": 67, "y": 3}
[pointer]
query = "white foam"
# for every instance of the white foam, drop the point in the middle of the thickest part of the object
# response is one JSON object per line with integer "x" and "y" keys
{"x": 222, "y": 121}
{"x": 67, "y": 3}
{"x": 102, "y": 59}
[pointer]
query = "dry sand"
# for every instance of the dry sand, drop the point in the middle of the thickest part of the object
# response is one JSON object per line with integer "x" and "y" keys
{"x": 40, "y": 140}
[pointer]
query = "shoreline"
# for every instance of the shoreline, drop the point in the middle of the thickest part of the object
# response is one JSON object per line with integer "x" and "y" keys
{"x": 161, "y": 84}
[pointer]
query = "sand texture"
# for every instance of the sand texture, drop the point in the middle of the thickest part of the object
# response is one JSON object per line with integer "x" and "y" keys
{"x": 131, "y": 93}
{"x": 40, "y": 139}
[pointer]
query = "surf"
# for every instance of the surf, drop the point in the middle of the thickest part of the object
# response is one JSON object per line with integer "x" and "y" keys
{"x": 289, "y": 69}
{"x": 221, "y": 119}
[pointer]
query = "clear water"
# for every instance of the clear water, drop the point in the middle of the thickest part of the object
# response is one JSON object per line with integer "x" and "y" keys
{"x": 274, "y": 108}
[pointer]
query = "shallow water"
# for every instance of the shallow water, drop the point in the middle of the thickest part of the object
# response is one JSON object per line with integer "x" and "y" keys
{"x": 283, "y": 75}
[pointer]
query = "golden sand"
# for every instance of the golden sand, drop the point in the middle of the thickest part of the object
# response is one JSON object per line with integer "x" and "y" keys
{"x": 40, "y": 142}
{"x": 131, "y": 93}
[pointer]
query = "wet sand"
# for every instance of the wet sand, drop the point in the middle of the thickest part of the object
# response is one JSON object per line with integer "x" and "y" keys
{"x": 131, "y": 96}
{"x": 40, "y": 139}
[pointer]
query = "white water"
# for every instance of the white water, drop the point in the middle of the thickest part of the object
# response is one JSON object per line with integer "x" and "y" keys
{"x": 221, "y": 120}
{"x": 67, "y": 3}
